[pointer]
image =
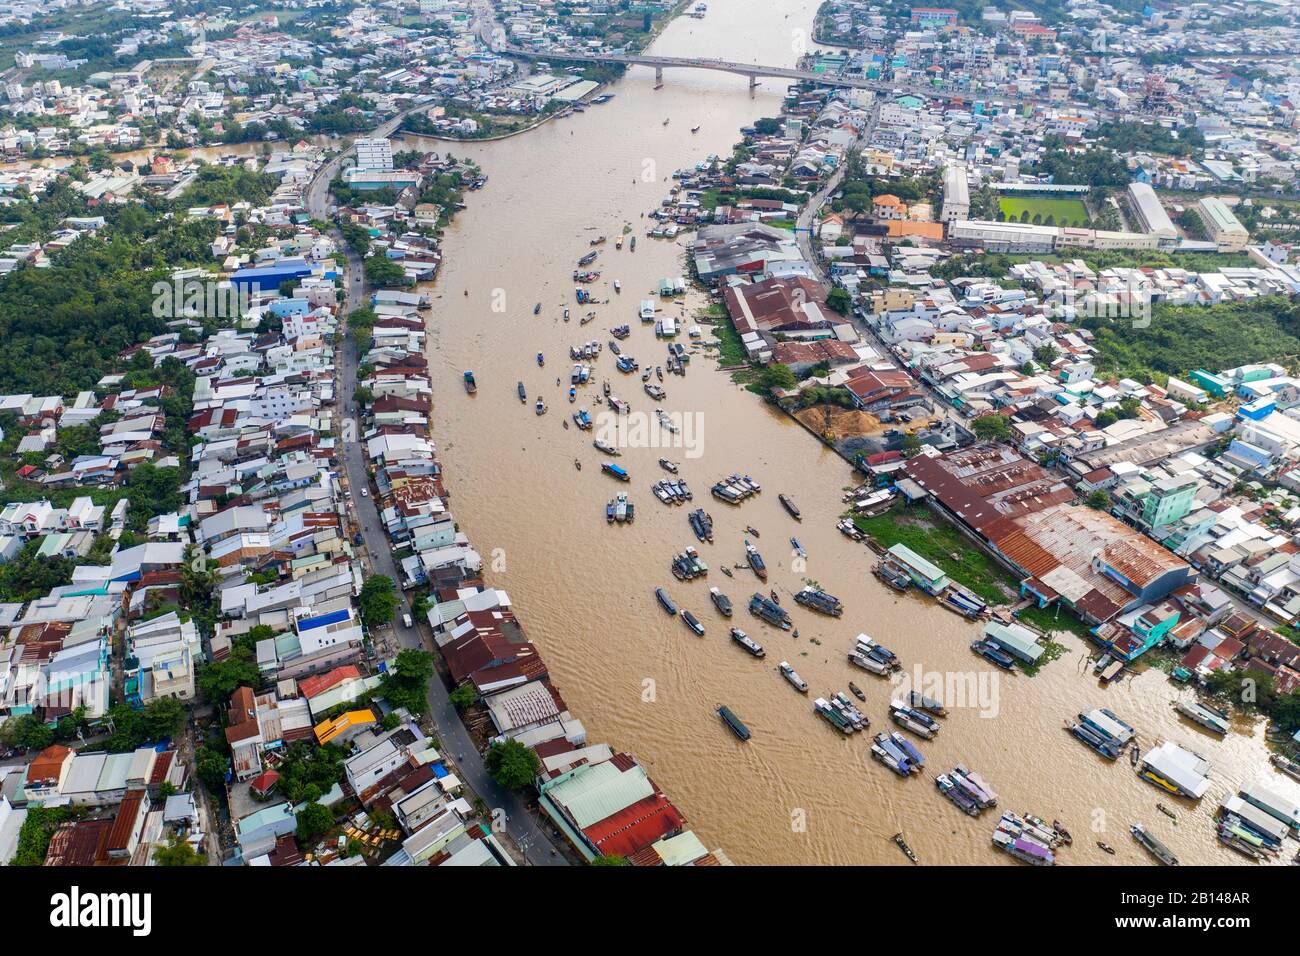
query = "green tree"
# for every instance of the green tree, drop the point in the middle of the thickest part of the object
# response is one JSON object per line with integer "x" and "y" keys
{"x": 613, "y": 860}
{"x": 463, "y": 696}
{"x": 383, "y": 271}
{"x": 839, "y": 300}
{"x": 991, "y": 428}
{"x": 512, "y": 765}
{"x": 1099, "y": 500}
{"x": 178, "y": 852}
{"x": 777, "y": 376}
{"x": 407, "y": 682}
{"x": 378, "y": 600}
{"x": 314, "y": 820}
{"x": 26, "y": 733}
{"x": 211, "y": 767}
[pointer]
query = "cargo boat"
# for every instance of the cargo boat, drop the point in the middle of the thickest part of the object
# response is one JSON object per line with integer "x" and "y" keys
{"x": 733, "y": 722}
{"x": 768, "y": 610}
{"x": 1153, "y": 846}
{"x": 874, "y": 657}
{"x": 894, "y": 752}
{"x": 720, "y": 601}
{"x": 702, "y": 525}
{"x": 833, "y": 717}
{"x": 975, "y": 786}
{"x": 993, "y": 654}
{"x": 1288, "y": 767}
{"x": 1013, "y": 837}
{"x": 749, "y": 644}
{"x": 913, "y": 720}
{"x": 1211, "y": 718}
{"x": 959, "y": 797}
{"x": 755, "y": 561}
{"x": 1104, "y": 732}
{"x": 927, "y": 704}
{"x": 610, "y": 468}
{"x": 788, "y": 504}
{"x": 687, "y": 566}
{"x": 692, "y": 622}
{"x": 819, "y": 600}
{"x": 665, "y": 601}
{"x": 789, "y": 673}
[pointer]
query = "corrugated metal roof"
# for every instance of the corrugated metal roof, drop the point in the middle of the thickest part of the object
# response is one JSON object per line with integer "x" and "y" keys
{"x": 600, "y": 791}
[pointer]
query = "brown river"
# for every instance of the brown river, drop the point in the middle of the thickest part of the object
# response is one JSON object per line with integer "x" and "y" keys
{"x": 797, "y": 792}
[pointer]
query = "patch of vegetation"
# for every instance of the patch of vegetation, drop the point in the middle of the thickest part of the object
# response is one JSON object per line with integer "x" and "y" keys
{"x": 1183, "y": 338}
{"x": 941, "y": 544}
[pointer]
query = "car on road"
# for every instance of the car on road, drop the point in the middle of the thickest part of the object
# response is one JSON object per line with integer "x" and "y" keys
{"x": 406, "y": 621}
{"x": 365, "y": 492}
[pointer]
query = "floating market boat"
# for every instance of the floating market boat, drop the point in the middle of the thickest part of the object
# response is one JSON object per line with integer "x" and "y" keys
{"x": 788, "y": 504}
{"x": 523, "y": 394}
{"x": 819, "y": 600}
{"x": 1153, "y": 846}
{"x": 927, "y": 704}
{"x": 615, "y": 471}
{"x": 957, "y": 796}
{"x": 748, "y": 643}
{"x": 665, "y": 601}
{"x": 993, "y": 654}
{"x": 769, "y": 611}
{"x": 606, "y": 447}
{"x": 755, "y": 561}
{"x": 797, "y": 682}
{"x": 540, "y": 407}
{"x": 537, "y": 308}
{"x": 702, "y": 524}
{"x": 692, "y": 622}
{"x": 471, "y": 386}
{"x": 721, "y": 602}
{"x": 733, "y": 722}
{"x": 918, "y": 723}
{"x": 1211, "y": 718}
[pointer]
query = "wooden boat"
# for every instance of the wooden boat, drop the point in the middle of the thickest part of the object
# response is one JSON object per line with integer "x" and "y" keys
{"x": 576, "y": 464}
{"x": 856, "y": 691}
{"x": 1105, "y": 848}
{"x": 907, "y": 850}
{"x": 1059, "y": 827}
{"x": 788, "y": 504}
{"x": 537, "y": 308}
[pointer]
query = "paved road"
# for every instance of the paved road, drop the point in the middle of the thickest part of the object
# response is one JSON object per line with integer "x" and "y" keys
{"x": 533, "y": 843}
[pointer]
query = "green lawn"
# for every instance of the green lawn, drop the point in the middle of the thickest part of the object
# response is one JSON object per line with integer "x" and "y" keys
{"x": 938, "y": 542}
{"x": 1064, "y": 212}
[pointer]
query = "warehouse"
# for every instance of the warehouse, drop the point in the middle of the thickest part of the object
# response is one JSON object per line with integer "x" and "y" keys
{"x": 1002, "y": 236}
{"x": 1150, "y": 214}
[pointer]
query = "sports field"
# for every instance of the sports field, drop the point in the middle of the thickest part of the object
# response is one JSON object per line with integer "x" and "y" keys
{"x": 1064, "y": 212}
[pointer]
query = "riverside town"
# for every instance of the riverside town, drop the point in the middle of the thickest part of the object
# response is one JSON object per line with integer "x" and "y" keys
{"x": 651, "y": 433}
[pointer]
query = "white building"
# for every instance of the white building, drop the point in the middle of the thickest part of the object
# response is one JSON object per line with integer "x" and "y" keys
{"x": 1224, "y": 228}
{"x": 1150, "y": 214}
{"x": 374, "y": 154}
{"x": 956, "y": 194}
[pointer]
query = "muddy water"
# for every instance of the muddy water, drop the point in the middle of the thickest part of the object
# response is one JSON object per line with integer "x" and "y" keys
{"x": 797, "y": 792}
